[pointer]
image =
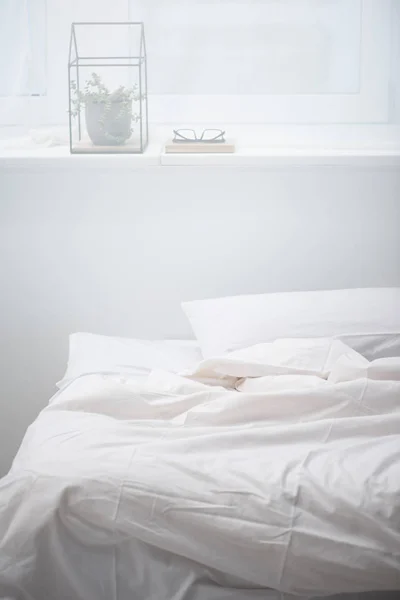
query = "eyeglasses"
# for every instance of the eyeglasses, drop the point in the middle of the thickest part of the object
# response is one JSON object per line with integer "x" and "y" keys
{"x": 213, "y": 136}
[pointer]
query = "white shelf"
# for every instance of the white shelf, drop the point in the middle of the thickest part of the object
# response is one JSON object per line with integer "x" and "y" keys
{"x": 61, "y": 158}
{"x": 270, "y": 146}
{"x": 286, "y": 157}
{"x": 287, "y": 146}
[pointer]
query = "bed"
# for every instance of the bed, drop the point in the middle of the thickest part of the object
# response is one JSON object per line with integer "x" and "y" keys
{"x": 227, "y": 468}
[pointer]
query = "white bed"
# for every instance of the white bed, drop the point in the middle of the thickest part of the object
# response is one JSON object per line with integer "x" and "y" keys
{"x": 270, "y": 472}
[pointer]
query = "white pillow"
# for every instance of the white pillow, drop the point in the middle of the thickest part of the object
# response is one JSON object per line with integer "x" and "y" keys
{"x": 375, "y": 345}
{"x": 89, "y": 353}
{"x": 226, "y": 324}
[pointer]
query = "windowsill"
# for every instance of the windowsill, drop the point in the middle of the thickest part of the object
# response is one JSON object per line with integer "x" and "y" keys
{"x": 60, "y": 157}
{"x": 288, "y": 146}
{"x": 281, "y": 157}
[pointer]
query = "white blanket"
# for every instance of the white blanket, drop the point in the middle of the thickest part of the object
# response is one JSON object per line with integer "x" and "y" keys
{"x": 283, "y": 474}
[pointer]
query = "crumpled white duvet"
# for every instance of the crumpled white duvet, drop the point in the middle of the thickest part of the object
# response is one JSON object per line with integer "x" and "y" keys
{"x": 277, "y": 466}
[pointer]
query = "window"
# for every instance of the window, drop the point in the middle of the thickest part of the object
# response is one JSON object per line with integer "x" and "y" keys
{"x": 218, "y": 61}
{"x": 395, "y": 59}
{"x": 257, "y": 48}
{"x": 290, "y": 61}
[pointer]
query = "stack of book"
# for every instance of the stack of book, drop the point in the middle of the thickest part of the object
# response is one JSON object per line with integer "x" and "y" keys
{"x": 226, "y": 147}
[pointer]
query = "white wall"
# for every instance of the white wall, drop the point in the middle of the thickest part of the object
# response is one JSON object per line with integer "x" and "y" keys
{"x": 116, "y": 253}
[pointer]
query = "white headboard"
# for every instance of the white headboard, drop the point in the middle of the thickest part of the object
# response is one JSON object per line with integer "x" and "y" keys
{"x": 115, "y": 252}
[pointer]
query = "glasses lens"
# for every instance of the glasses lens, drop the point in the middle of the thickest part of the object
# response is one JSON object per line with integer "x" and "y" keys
{"x": 212, "y": 134}
{"x": 185, "y": 134}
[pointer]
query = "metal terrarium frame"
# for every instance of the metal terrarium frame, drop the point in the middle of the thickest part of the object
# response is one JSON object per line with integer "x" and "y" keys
{"x": 131, "y": 61}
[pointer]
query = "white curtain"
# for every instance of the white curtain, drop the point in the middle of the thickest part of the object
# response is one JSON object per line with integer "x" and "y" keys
{"x": 23, "y": 40}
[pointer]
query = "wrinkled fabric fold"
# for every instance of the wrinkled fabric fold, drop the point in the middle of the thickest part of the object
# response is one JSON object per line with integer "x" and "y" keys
{"x": 282, "y": 484}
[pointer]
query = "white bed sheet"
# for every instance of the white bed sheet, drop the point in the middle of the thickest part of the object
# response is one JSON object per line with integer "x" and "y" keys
{"x": 176, "y": 489}
{"x": 92, "y": 353}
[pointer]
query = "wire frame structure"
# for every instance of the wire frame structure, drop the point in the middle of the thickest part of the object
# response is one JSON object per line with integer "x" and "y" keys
{"x": 107, "y": 88}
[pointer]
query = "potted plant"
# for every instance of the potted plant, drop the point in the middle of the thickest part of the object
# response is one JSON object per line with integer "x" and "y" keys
{"x": 109, "y": 115}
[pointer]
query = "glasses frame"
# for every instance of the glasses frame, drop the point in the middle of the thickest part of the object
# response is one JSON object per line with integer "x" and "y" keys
{"x": 181, "y": 138}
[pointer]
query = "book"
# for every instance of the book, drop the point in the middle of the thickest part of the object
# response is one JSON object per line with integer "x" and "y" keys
{"x": 227, "y": 147}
